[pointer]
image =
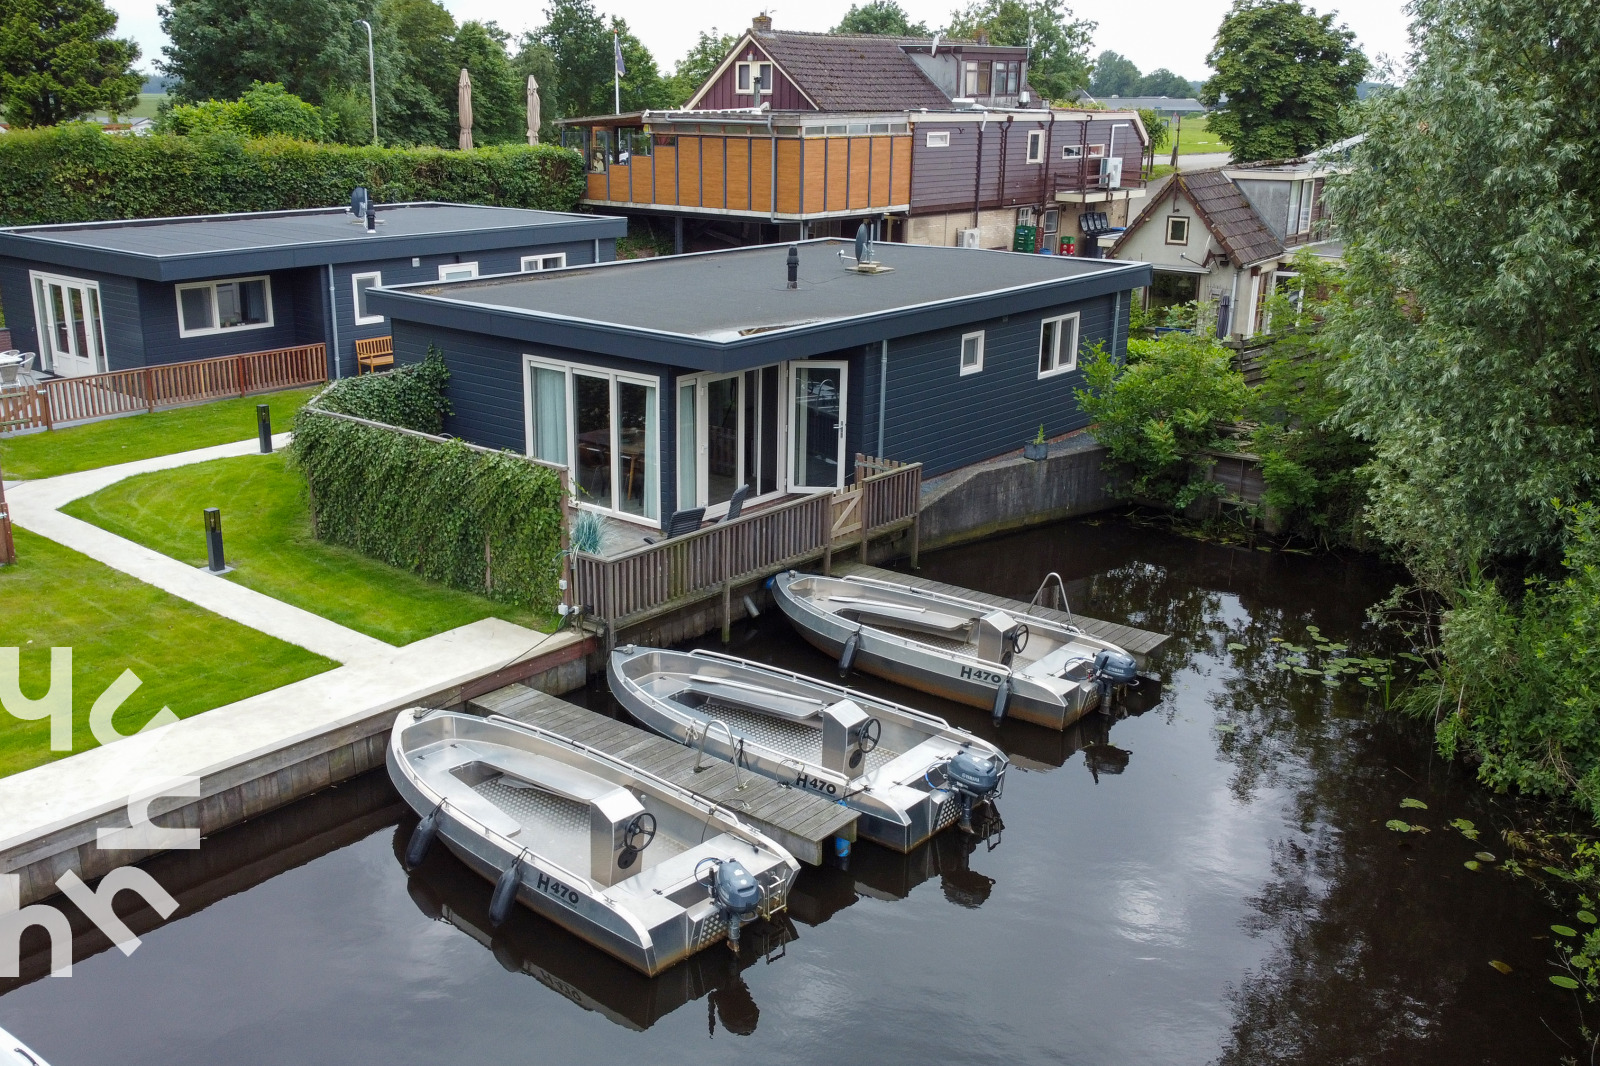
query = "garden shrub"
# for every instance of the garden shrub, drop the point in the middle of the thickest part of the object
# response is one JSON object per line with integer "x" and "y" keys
{"x": 76, "y": 173}
{"x": 484, "y": 522}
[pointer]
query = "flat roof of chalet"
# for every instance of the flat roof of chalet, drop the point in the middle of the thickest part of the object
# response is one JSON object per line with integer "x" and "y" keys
{"x": 197, "y": 246}
{"x": 728, "y": 309}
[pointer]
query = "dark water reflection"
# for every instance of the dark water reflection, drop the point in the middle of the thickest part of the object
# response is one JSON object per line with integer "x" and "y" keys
{"x": 1164, "y": 890}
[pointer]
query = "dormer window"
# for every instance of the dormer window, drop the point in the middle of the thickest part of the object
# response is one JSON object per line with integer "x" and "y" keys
{"x": 754, "y": 78}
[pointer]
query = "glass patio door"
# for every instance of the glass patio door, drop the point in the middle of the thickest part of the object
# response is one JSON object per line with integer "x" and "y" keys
{"x": 816, "y": 426}
{"x": 71, "y": 332}
{"x": 729, "y": 434}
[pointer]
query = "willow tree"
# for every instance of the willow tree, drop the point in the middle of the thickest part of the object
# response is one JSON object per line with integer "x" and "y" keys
{"x": 1471, "y": 220}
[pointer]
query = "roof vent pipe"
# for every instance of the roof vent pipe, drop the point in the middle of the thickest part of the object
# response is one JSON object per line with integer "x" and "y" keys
{"x": 794, "y": 266}
{"x": 372, "y": 218}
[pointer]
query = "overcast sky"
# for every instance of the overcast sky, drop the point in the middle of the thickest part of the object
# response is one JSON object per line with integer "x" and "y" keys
{"x": 1154, "y": 33}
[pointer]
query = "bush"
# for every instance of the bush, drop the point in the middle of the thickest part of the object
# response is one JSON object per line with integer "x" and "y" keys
{"x": 265, "y": 110}
{"x": 485, "y": 522}
{"x": 78, "y": 174}
{"x": 1160, "y": 414}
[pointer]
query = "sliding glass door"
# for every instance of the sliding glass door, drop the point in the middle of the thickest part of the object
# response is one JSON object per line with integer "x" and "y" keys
{"x": 604, "y": 427}
{"x": 71, "y": 328}
{"x": 817, "y": 426}
{"x": 729, "y": 433}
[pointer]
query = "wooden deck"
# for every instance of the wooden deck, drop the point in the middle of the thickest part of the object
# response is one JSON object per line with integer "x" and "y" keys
{"x": 798, "y": 820}
{"x": 1139, "y": 643}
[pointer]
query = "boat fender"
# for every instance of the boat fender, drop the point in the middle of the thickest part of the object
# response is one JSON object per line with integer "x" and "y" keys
{"x": 422, "y": 838}
{"x": 1002, "y": 696}
{"x": 505, "y": 893}
{"x": 841, "y": 847}
{"x": 847, "y": 657}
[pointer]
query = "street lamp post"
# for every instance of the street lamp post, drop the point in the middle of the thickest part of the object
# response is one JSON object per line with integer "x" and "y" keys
{"x": 372, "y": 80}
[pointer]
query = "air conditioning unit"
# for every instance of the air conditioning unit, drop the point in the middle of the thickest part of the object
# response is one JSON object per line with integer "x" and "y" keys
{"x": 1110, "y": 173}
{"x": 967, "y": 238}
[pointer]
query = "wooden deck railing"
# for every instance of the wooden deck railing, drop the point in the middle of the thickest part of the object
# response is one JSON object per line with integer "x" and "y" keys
{"x": 84, "y": 399}
{"x": 655, "y": 578}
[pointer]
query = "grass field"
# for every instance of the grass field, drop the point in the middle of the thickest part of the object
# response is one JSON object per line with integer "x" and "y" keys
{"x": 122, "y": 440}
{"x": 267, "y": 535}
{"x": 1196, "y": 139}
{"x": 187, "y": 658}
{"x": 145, "y": 108}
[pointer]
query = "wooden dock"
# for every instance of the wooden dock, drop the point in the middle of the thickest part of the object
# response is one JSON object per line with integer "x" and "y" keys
{"x": 799, "y": 820}
{"x": 1140, "y": 643}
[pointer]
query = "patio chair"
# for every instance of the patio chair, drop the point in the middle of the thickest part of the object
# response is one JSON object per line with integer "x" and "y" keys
{"x": 25, "y": 372}
{"x": 736, "y": 502}
{"x": 680, "y": 523}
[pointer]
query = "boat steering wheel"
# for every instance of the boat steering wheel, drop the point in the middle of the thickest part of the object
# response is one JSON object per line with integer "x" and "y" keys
{"x": 871, "y": 733}
{"x": 1019, "y": 638}
{"x": 640, "y": 832}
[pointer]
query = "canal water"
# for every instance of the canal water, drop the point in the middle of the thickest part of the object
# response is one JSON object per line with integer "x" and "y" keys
{"x": 1207, "y": 879}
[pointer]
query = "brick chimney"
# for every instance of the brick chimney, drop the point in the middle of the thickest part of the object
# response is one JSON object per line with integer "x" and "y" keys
{"x": 762, "y": 23}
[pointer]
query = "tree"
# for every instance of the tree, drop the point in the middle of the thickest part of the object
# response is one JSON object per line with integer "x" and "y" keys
{"x": 58, "y": 61}
{"x": 1162, "y": 82}
{"x": 1284, "y": 77}
{"x": 1114, "y": 75}
{"x": 499, "y": 101}
{"x": 1058, "y": 60}
{"x": 418, "y": 40}
{"x": 1470, "y": 218}
{"x": 266, "y": 110}
{"x": 880, "y": 16}
{"x": 695, "y": 68}
{"x": 221, "y": 47}
{"x": 580, "y": 41}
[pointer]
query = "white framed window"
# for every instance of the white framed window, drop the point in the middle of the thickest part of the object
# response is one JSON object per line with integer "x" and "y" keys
{"x": 1036, "y": 146}
{"x": 72, "y": 335}
{"x": 1301, "y": 195}
{"x": 938, "y": 139}
{"x": 1177, "y": 229}
{"x": 1052, "y": 219}
{"x": 604, "y": 427}
{"x": 1071, "y": 151}
{"x": 457, "y": 271}
{"x": 754, "y": 77}
{"x": 1097, "y": 151}
{"x": 1058, "y": 345}
{"x": 208, "y": 307}
{"x": 971, "y": 353}
{"x": 532, "y": 264}
{"x": 359, "y": 285}
{"x": 1024, "y": 216}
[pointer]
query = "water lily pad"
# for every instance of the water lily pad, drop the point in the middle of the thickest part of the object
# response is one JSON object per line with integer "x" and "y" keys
{"x": 1484, "y": 856}
{"x": 1367, "y": 681}
{"x": 1413, "y": 656}
{"x": 1501, "y": 966}
{"x": 1274, "y": 640}
{"x": 1472, "y": 864}
{"x": 1563, "y": 981}
{"x": 1306, "y": 671}
{"x": 1586, "y": 917}
{"x": 1396, "y": 825}
{"x": 1225, "y": 727}
{"x": 1280, "y": 666}
{"x": 1339, "y": 647}
{"x": 1563, "y": 930}
{"x": 1463, "y": 824}
{"x": 1418, "y": 804}
{"x": 1236, "y": 646}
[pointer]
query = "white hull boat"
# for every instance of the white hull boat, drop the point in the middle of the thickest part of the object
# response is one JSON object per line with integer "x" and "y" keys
{"x": 1019, "y": 666}
{"x": 14, "y": 1052}
{"x": 637, "y": 866}
{"x": 909, "y": 774}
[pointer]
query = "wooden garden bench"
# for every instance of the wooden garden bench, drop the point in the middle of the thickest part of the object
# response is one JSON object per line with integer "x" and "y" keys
{"x": 373, "y": 353}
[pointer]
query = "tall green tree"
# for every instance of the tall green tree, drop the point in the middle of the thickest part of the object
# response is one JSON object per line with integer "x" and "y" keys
{"x": 1058, "y": 63}
{"x": 1114, "y": 75}
{"x": 1163, "y": 82}
{"x": 703, "y": 59}
{"x": 220, "y": 47}
{"x": 58, "y": 61}
{"x": 1285, "y": 76}
{"x": 579, "y": 39}
{"x": 1471, "y": 219}
{"x": 421, "y": 70}
{"x": 499, "y": 108}
{"x": 880, "y": 16}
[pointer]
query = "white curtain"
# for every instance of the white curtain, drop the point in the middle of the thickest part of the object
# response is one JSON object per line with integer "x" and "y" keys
{"x": 548, "y": 392}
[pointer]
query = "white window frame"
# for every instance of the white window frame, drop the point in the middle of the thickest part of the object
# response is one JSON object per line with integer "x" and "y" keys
{"x": 1097, "y": 151}
{"x": 211, "y": 286}
{"x": 961, "y": 355}
{"x": 571, "y": 370}
{"x": 451, "y": 268}
{"x": 376, "y": 277}
{"x": 1187, "y": 225}
{"x": 1025, "y": 216}
{"x": 1071, "y": 151}
{"x": 1057, "y": 366}
{"x": 42, "y": 319}
{"x": 548, "y": 261}
{"x": 1036, "y": 146}
{"x": 937, "y": 139}
{"x": 750, "y": 79}
{"x": 1052, "y": 220}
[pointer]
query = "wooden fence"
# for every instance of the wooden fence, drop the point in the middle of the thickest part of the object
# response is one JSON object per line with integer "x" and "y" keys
{"x": 656, "y": 578}
{"x": 8, "y": 547}
{"x": 60, "y": 401}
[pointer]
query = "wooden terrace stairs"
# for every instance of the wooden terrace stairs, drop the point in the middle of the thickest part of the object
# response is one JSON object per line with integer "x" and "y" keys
{"x": 798, "y": 820}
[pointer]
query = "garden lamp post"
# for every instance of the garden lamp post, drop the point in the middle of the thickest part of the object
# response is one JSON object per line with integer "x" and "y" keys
{"x": 372, "y": 80}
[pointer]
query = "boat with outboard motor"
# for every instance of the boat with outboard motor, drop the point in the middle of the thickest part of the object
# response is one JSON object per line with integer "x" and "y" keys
{"x": 909, "y": 774}
{"x": 637, "y": 866}
{"x": 1014, "y": 665}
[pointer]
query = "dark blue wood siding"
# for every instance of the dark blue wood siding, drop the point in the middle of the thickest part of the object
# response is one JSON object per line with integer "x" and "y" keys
{"x": 119, "y": 308}
{"x": 158, "y": 309}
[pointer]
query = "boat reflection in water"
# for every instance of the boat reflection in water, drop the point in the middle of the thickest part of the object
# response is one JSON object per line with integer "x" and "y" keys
{"x": 445, "y": 890}
{"x": 820, "y": 892}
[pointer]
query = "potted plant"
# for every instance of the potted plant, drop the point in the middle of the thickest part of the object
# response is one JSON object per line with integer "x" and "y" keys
{"x": 1036, "y": 449}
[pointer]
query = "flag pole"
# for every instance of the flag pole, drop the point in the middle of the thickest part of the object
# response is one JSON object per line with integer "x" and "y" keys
{"x": 616, "y": 73}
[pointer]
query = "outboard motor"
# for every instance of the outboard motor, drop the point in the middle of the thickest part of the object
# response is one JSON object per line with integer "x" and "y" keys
{"x": 1113, "y": 668}
{"x": 975, "y": 778}
{"x": 737, "y": 894}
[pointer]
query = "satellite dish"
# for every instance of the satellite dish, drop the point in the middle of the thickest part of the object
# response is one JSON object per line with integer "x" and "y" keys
{"x": 358, "y": 201}
{"x": 864, "y": 243}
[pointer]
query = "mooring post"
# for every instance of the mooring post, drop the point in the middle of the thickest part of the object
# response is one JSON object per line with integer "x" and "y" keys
{"x": 727, "y": 612}
{"x": 214, "y": 560}
{"x": 916, "y": 537}
{"x": 264, "y": 427}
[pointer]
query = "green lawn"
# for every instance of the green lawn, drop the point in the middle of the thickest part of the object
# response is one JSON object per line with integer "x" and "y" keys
{"x": 145, "y": 108}
{"x": 187, "y": 658}
{"x": 267, "y": 535}
{"x": 122, "y": 440}
{"x": 1196, "y": 139}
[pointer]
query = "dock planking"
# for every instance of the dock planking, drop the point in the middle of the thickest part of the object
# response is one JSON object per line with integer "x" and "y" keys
{"x": 1140, "y": 643}
{"x": 796, "y": 819}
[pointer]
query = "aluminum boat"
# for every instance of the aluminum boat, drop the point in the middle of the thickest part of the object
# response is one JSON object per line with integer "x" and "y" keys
{"x": 1021, "y": 666}
{"x": 14, "y": 1052}
{"x": 635, "y": 865}
{"x": 909, "y": 774}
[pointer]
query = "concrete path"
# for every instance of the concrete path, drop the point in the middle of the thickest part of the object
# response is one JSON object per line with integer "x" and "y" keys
{"x": 35, "y": 506}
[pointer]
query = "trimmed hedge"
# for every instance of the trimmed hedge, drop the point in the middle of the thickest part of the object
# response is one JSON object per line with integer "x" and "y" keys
{"x": 484, "y": 522}
{"x": 76, "y": 173}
